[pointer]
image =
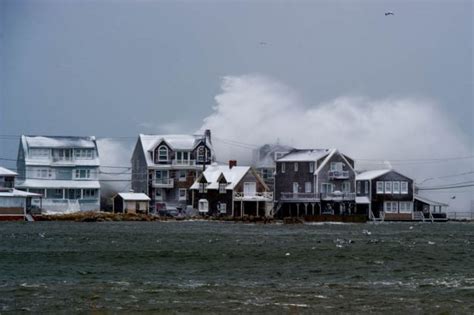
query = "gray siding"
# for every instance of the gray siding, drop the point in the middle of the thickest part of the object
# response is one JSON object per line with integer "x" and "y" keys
{"x": 323, "y": 175}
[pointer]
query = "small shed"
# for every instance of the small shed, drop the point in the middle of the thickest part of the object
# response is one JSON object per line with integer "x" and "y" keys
{"x": 131, "y": 203}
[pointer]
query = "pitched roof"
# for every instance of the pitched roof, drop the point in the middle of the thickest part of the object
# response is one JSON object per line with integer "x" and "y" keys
{"x": 59, "y": 142}
{"x": 134, "y": 196}
{"x": 232, "y": 175}
{"x": 176, "y": 142}
{"x": 304, "y": 155}
{"x": 6, "y": 172}
{"x": 369, "y": 175}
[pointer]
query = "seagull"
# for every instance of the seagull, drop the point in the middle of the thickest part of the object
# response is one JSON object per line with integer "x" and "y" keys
{"x": 263, "y": 43}
{"x": 389, "y": 13}
{"x": 453, "y": 197}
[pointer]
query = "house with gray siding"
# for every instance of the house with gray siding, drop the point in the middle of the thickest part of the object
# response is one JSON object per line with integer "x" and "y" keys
{"x": 385, "y": 195}
{"x": 232, "y": 191}
{"x": 264, "y": 159}
{"x": 165, "y": 166}
{"x": 64, "y": 170}
{"x": 314, "y": 182}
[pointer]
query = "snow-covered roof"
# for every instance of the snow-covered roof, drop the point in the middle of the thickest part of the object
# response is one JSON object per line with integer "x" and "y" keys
{"x": 429, "y": 201}
{"x": 264, "y": 156}
{"x": 232, "y": 175}
{"x": 176, "y": 142}
{"x": 369, "y": 175}
{"x": 59, "y": 142}
{"x": 134, "y": 196}
{"x": 362, "y": 200}
{"x": 56, "y": 183}
{"x": 17, "y": 193}
{"x": 6, "y": 172}
{"x": 304, "y": 155}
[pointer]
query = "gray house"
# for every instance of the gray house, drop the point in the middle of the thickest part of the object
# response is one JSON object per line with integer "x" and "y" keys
{"x": 165, "y": 166}
{"x": 385, "y": 195}
{"x": 64, "y": 170}
{"x": 264, "y": 161}
{"x": 314, "y": 182}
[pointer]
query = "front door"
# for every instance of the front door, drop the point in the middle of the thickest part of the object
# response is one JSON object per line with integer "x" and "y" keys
{"x": 295, "y": 188}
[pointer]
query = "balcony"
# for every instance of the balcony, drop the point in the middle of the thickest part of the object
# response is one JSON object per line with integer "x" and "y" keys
{"x": 183, "y": 162}
{"x": 163, "y": 183}
{"x": 256, "y": 196}
{"x": 312, "y": 197}
{"x": 338, "y": 174}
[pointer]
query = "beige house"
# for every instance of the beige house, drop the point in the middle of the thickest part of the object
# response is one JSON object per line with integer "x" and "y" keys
{"x": 131, "y": 203}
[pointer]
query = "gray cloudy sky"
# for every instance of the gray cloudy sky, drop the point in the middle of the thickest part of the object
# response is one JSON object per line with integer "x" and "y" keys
{"x": 117, "y": 68}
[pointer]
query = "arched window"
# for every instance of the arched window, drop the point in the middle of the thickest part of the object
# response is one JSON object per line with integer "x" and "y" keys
{"x": 163, "y": 153}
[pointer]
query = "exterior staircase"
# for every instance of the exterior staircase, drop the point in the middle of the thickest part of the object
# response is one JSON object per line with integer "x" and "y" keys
{"x": 418, "y": 216}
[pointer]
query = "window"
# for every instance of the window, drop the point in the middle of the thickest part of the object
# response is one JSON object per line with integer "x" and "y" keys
{"x": 222, "y": 187}
{"x": 311, "y": 167}
{"x": 406, "y": 206}
{"x": 37, "y": 191}
{"x": 159, "y": 194}
{"x": 379, "y": 187}
{"x": 267, "y": 173}
{"x": 62, "y": 154}
{"x": 182, "y": 157}
{"x": 358, "y": 187}
{"x": 326, "y": 188}
{"x": 404, "y": 187}
{"x": 222, "y": 207}
{"x": 201, "y": 154}
{"x": 296, "y": 166}
{"x": 388, "y": 187}
{"x": 89, "y": 193}
{"x": 366, "y": 187}
{"x": 203, "y": 205}
{"x": 307, "y": 187}
{"x": 43, "y": 173}
{"x": 82, "y": 173}
{"x": 250, "y": 188}
{"x": 336, "y": 166}
{"x": 283, "y": 166}
{"x": 396, "y": 187}
{"x": 83, "y": 153}
{"x": 55, "y": 193}
{"x": 182, "y": 194}
{"x": 163, "y": 153}
{"x": 346, "y": 187}
{"x": 182, "y": 175}
{"x": 39, "y": 153}
{"x": 161, "y": 177}
{"x": 202, "y": 187}
{"x": 391, "y": 206}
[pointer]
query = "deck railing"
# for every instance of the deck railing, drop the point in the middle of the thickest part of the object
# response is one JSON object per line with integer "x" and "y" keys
{"x": 183, "y": 162}
{"x": 317, "y": 196}
{"x": 338, "y": 174}
{"x": 260, "y": 196}
{"x": 164, "y": 182}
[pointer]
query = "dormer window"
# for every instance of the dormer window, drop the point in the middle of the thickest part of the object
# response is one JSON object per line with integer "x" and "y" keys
{"x": 163, "y": 153}
{"x": 201, "y": 153}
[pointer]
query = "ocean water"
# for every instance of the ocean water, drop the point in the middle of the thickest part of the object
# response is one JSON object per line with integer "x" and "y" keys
{"x": 214, "y": 267}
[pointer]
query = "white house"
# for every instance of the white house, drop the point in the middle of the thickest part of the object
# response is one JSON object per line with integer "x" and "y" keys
{"x": 64, "y": 170}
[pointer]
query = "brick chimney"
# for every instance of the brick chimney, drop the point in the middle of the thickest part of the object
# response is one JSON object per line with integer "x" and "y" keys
{"x": 232, "y": 163}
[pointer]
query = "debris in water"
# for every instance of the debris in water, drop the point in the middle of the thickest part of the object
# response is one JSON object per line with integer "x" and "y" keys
{"x": 339, "y": 246}
{"x": 41, "y": 235}
{"x": 287, "y": 254}
{"x": 411, "y": 227}
{"x": 431, "y": 243}
{"x": 366, "y": 232}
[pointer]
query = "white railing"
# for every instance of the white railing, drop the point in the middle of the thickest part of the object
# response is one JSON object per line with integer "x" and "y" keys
{"x": 164, "y": 182}
{"x": 183, "y": 162}
{"x": 264, "y": 196}
{"x": 336, "y": 196}
{"x": 338, "y": 174}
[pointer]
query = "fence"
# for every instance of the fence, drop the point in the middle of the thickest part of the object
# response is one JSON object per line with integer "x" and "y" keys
{"x": 460, "y": 215}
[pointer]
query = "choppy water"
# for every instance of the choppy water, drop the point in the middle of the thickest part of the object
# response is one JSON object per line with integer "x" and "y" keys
{"x": 212, "y": 267}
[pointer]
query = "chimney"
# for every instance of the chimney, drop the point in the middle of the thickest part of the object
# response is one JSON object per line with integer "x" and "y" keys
{"x": 232, "y": 163}
{"x": 207, "y": 134}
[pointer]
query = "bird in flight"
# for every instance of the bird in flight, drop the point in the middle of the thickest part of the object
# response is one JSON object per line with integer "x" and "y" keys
{"x": 389, "y": 13}
{"x": 263, "y": 43}
{"x": 453, "y": 197}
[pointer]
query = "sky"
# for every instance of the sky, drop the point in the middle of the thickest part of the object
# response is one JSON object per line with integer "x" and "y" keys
{"x": 382, "y": 87}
